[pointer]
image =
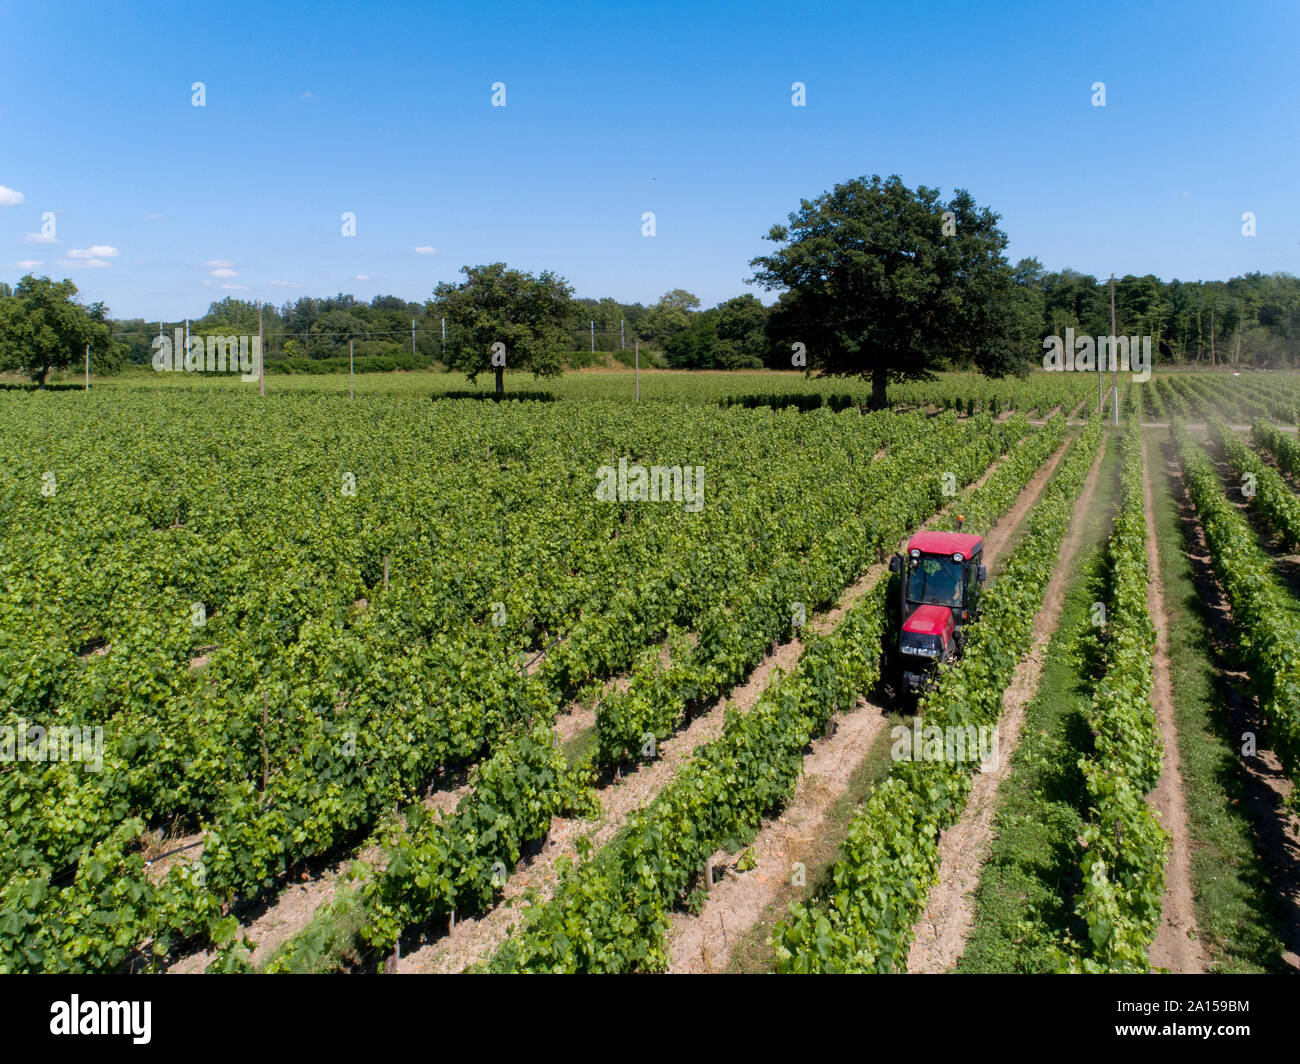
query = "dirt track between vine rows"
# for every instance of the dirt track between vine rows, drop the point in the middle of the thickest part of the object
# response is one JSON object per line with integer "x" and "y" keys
{"x": 1176, "y": 946}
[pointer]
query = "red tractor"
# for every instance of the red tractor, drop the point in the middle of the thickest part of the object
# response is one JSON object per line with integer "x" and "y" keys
{"x": 939, "y": 591}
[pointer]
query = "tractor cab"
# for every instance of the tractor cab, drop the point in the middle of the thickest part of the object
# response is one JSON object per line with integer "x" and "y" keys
{"x": 939, "y": 590}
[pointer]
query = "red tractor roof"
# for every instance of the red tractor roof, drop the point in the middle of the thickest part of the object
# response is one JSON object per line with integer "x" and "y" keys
{"x": 946, "y": 543}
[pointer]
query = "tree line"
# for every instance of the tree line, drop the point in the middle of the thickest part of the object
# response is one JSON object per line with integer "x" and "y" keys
{"x": 872, "y": 278}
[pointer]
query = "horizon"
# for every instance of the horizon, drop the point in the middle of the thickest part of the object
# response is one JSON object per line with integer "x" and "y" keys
{"x": 159, "y": 208}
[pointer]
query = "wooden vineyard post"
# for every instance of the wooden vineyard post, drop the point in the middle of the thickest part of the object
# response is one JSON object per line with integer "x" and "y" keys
{"x": 261, "y": 354}
{"x": 1114, "y": 351}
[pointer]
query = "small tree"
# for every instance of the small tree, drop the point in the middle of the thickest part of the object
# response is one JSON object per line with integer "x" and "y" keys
{"x": 696, "y": 346}
{"x": 43, "y": 327}
{"x": 532, "y": 317}
{"x": 742, "y": 336}
{"x": 885, "y": 283}
{"x": 669, "y": 317}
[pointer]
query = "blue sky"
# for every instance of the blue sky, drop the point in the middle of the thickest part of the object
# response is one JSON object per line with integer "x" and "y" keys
{"x": 685, "y": 110}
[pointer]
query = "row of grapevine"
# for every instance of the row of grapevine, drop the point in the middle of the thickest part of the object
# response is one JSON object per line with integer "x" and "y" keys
{"x": 1132, "y": 401}
{"x": 1264, "y": 621}
{"x": 1155, "y": 405}
{"x": 1283, "y": 446}
{"x": 1123, "y": 848}
{"x": 890, "y": 860}
{"x": 1267, "y": 492}
{"x": 1172, "y": 397}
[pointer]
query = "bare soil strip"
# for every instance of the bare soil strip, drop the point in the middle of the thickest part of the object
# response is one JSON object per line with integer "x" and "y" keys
{"x": 1176, "y": 946}
{"x": 736, "y": 904}
{"x": 942, "y": 929}
{"x": 1267, "y": 786}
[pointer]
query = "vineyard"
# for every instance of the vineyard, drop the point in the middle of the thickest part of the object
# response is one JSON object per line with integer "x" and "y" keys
{"x": 602, "y": 679}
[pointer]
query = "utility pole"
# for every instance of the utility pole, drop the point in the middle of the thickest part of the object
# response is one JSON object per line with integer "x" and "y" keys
{"x": 261, "y": 354}
{"x": 1114, "y": 348}
{"x": 622, "y": 343}
{"x": 88, "y": 367}
{"x": 1211, "y": 338}
{"x": 593, "y": 337}
{"x": 638, "y": 371}
{"x": 351, "y": 390}
{"x": 412, "y": 337}
{"x": 444, "y": 336}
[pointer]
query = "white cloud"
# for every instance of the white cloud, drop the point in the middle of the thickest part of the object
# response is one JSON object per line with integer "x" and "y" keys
{"x": 221, "y": 264}
{"x": 304, "y": 95}
{"x": 225, "y": 271}
{"x": 28, "y": 264}
{"x": 90, "y": 264}
{"x": 155, "y": 217}
{"x": 11, "y": 197}
{"x": 285, "y": 284}
{"x": 425, "y": 250}
{"x": 99, "y": 251}
{"x": 37, "y": 238}
{"x": 362, "y": 277}
{"x": 235, "y": 287}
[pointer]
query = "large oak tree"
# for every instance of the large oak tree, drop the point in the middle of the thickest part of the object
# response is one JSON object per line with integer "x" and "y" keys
{"x": 887, "y": 283}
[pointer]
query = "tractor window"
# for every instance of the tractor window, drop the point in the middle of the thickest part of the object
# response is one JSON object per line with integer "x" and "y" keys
{"x": 935, "y": 580}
